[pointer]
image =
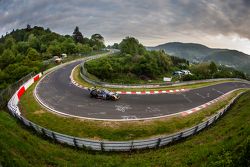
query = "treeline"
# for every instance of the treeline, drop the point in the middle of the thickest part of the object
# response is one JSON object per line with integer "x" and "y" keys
{"x": 23, "y": 50}
{"x": 210, "y": 70}
{"x": 135, "y": 64}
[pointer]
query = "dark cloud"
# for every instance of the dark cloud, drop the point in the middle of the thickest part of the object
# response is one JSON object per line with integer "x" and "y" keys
{"x": 145, "y": 19}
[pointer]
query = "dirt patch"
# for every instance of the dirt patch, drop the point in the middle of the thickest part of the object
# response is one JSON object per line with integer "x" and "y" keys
{"x": 38, "y": 112}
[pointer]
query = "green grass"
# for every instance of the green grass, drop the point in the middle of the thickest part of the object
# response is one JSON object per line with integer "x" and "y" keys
{"x": 226, "y": 143}
{"x": 79, "y": 80}
{"x": 112, "y": 130}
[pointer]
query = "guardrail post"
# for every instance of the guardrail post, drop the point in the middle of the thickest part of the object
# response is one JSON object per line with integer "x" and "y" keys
{"x": 180, "y": 136}
{"x": 215, "y": 118}
{"x": 221, "y": 113}
{"x": 195, "y": 130}
{"x": 172, "y": 139}
{"x": 31, "y": 126}
{"x": 207, "y": 123}
{"x": 102, "y": 147}
{"x": 75, "y": 142}
{"x": 43, "y": 132}
{"x": 21, "y": 118}
{"x": 132, "y": 145}
{"x": 158, "y": 143}
{"x": 54, "y": 136}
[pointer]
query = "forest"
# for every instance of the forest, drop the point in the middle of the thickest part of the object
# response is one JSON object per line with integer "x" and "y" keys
{"x": 27, "y": 50}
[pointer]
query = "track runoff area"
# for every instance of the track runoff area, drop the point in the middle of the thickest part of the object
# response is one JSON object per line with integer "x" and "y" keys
{"x": 56, "y": 92}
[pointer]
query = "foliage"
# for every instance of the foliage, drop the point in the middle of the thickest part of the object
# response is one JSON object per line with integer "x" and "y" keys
{"x": 24, "y": 50}
{"x": 210, "y": 71}
{"x": 132, "y": 64}
{"x": 115, "y": 68}
{"x": 131, "y": 46}
{"x": 77, "y": 35}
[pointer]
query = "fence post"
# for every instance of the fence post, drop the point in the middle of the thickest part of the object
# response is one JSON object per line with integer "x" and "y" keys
{"x": 43, "y": 132}
{"x": 132, "y": 145}
{"x": 21, "y": 118}
{"x": 158, "y": 143}
{"x": 54, "y": 136}
{"x": 102, "y": 147}
{"x": 195, "y": 130}
{"x": 220, "y": 114}
{"x": 75, "y": 142}
{"x": 214, "y": 118}
{"x": 207, "y": 123}
{"x": 31, "y": 126}
{"x": 180, "y": 136}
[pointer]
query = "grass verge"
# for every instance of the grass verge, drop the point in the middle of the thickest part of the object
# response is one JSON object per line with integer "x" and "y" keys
{"x": 113, "y": 130}
{"x": 79, "y": 80}
{"x": 227, "y": 143}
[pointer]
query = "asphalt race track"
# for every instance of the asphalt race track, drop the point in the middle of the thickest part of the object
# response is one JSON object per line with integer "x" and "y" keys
{"x": 57, "y": 92}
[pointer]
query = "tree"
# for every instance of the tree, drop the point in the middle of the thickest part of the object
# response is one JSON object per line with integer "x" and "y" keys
{"x": 54, "y": 50}
{"x": 83, "y": 48}
{"x": 97, "y": 42}
{"x": 28, "y": 28}
{"x": 213, "y": 68}
{"x": 130, "y": 45}
{"x": 115, "y": 46}
{"x": 9, "y": 42}
{"x": 22, "y": 47}
{"x": 97, "y": 37}
{"x": 6, "y": 58}
{"x": 1, "y": 48}
{"x": 77, "y": 35}
{"x": 68, "y": 46}
{"x": 16, "y": 71}
{"x": 34, "y": 42}
{"x": 33, "y": 55}
{"x": 3, "y": 77}
{"x": 201, "y": 70}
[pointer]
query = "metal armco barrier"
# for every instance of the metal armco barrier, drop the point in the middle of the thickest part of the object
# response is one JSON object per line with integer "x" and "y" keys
{"x": 107, "y": 145}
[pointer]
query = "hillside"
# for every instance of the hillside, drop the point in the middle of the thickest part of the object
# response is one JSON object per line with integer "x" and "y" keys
{"x": 25, "y": 50}
{"x": 135, "y": 64}
{"x": 200, "y": 53}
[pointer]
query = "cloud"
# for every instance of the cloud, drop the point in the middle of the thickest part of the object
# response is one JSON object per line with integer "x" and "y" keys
{"x": 145, "y": 19}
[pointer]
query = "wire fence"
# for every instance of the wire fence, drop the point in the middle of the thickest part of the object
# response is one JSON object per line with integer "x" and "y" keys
{"x": 103, "y": 145}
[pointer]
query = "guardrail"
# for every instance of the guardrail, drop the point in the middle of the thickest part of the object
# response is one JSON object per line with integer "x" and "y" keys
{"x": 103, "y": 145}
{"x": 84, "y": 75}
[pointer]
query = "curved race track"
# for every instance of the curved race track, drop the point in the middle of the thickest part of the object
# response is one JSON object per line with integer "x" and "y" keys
{"x": 57, "y": 92}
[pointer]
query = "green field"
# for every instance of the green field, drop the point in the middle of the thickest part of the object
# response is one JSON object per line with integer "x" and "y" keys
{"x": 226, "y": 143}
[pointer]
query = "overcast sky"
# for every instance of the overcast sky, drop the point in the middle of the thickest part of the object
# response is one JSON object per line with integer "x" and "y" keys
{"x": 215, "y": 23}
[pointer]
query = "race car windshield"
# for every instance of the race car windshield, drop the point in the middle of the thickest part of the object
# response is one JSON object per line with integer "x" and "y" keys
{"x": 106, "y": 91}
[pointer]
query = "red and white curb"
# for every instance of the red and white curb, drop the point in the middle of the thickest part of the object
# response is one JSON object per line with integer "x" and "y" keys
{"x": 131, "y": 92}
{"x": 19, "y": 93}
{"x": 151, "y": 92}
{"x": 193, "y": 110}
